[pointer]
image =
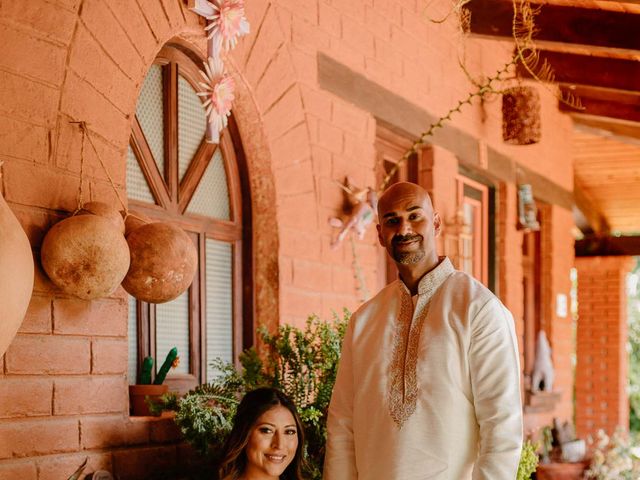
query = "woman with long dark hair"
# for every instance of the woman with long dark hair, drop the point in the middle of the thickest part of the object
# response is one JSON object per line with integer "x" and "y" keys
{"x": 267, "y": 439}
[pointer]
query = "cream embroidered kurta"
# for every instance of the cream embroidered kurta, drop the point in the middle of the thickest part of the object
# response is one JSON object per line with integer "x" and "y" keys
{"x": 431, "y": 392}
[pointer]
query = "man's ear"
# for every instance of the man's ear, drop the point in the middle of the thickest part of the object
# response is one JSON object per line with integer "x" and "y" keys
{"x": 380, "y": 239}
{"x": 437, "y": 224}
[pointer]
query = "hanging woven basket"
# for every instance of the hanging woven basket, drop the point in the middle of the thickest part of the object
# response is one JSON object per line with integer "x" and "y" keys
{"x": 521, "y": 116}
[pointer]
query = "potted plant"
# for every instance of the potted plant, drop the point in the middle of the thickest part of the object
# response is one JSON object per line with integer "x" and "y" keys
{"x": 145, "y": 392}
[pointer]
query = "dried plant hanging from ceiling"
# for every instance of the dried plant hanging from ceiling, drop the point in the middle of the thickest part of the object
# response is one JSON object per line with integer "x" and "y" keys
{"x": 521, "y": 123}
{"x": 226, "y": 22}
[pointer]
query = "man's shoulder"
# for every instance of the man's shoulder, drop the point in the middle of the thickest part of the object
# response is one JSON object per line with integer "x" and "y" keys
{"x": 379, "y": 298}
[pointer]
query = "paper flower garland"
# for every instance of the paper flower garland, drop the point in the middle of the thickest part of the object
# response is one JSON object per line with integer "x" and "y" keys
{"x": 219, "y": 88}
{"x": 227, "y": 23}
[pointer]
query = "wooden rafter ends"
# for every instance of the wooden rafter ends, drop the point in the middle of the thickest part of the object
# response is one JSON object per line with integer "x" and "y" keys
{"x": 596, "y": 71}
{"x": 605, "y": 103}
{"x": 561, "y": 24}
{"x": 608, "y": 246}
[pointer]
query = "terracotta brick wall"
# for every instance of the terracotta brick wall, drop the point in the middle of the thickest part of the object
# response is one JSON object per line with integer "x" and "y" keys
{"x": 602, "y": 368}
{"x": 63, "y": 379}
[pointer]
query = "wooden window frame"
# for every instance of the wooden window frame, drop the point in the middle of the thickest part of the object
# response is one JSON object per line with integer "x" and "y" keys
{"x": 172, "y": 199}
{"x": 480, "y": 233}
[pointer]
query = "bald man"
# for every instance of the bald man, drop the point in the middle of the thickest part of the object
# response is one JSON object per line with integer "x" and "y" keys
{"x": 428, "y": 385}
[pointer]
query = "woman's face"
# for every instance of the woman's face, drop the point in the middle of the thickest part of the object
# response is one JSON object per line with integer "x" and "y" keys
{"x": 272, "y": 444}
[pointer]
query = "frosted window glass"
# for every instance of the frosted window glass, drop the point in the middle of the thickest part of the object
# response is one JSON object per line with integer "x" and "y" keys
{"x": 172, "y": 330}
{"x": 219, "y": 315}
{"x": 211, "y": 198}
{"x": 150, "y": 113}
{"x": 132, "y": 333}
{"x": 192, "y": 123}
{"x": 137, "y": 186}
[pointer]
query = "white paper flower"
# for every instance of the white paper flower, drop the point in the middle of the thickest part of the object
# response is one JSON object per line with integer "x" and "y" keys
{"x": 227, "y": 23}
{"x": 218, "y": 92}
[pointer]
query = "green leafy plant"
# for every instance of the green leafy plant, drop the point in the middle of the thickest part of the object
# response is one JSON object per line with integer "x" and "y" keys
{"x": 302, "y": 363}
{"x": 528, "y": 461}
{"x": 147, "y": 366}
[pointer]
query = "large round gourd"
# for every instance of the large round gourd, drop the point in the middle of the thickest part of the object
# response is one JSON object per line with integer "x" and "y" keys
{"x": 16, "y": 275}
{"x": 85, "y": 256}
{"x": 163, "y": 262}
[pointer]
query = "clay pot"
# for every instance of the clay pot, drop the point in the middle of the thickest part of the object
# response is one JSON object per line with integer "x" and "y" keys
{"x": 163, "y": 262}
{"x": 86, "y": 256}
{"x": 16, "y": 275}
{"x": 139, "y": 393}
{"x": 105, "y": 210}
{"x": 134, "y": 220}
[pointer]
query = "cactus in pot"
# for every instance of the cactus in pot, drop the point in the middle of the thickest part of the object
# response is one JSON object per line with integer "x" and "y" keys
{"x": 146, "y": 391}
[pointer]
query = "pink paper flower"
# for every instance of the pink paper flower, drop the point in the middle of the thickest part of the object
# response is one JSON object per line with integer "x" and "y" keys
{"x": 226, "y": 23}
{"x": 218, "y": 92}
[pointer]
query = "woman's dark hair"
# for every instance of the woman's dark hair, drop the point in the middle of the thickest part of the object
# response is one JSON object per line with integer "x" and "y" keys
{"x": 251, "y": 408}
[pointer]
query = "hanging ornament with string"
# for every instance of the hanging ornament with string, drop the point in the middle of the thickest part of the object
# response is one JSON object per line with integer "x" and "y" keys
{"x": 86, "y": 255}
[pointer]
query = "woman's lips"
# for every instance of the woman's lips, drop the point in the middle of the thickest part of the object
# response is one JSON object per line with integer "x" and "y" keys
{"x": 275, "y": 458}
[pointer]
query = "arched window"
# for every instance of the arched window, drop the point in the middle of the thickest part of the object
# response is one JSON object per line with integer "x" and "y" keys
{"x": 174, "y": 175}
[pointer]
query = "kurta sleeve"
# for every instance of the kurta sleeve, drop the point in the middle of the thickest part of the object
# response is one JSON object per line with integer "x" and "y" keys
{"x": 495, "y": 381}
{"x": 340, "y": 462}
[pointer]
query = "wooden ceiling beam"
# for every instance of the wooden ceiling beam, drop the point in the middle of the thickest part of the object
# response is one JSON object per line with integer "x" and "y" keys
{"x": 590, "y": 219}
{"x": 604, "y": 103}
{"x": 604, "y": 72}
{"x": 560, "y": 23}
{"x": 607, "y": 246}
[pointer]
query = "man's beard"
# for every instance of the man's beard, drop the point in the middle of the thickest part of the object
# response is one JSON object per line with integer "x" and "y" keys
{"x": 407, "y": 258}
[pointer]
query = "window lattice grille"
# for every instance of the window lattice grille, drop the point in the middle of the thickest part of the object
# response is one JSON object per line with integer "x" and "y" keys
{"x": 192, "y": 123}
{"x": 172, "y": 330}
{"x": 137, "y": 186}
{"x": 150, "y": 113}
{"x": 211, "y": 198}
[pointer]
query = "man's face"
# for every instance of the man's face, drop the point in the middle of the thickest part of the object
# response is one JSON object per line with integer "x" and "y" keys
{"x": 408, "y": 226}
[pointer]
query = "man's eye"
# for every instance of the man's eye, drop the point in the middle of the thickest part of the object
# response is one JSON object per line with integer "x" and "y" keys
{"x": 415, "y": 216}
{"x": 392, "y": 221}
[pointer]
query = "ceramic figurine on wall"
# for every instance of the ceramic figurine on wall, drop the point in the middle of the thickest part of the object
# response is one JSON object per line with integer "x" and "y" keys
{"x": 542, "y": 366}
{"x": 362, "y": 204}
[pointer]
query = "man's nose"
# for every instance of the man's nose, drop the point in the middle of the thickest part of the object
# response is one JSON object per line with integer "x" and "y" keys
{"x": 405, "y": 227}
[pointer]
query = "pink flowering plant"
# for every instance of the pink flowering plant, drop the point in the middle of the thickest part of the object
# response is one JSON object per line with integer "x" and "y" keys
{"x": 226, "y": 23}
{"x": 218, "y": 93}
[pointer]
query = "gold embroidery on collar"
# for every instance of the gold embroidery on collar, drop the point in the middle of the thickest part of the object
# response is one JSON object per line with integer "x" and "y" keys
{"x": 403, "y": 386}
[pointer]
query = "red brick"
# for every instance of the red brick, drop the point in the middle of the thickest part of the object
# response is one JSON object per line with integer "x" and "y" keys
{"x": 285, "y": 271}
{"x": 329, "y": 19}
{"x": 321, "y": 161}
{"x": 291, "y": 147}
{"x": 28, "y": 100}
{"x": 299, "y": 244}
{"x": 284, "y": 115}
{"x": 73, "y": 316}
{"x": 102, "y": 24}
{"x": 173, "y": 12}
{"x": 305, "y": 64}
{"x": 36, "y": 223}
{"x": 69, "y": 156}
{"x": 37, "y": 354}
{"x": 23, "y": 438}
{"x": 357, "y": 36}
{"x": 331, "y": 196}
{"x": 316, "y": 102}
{"x": 25, "y": 397}
{"x": 352, "y": 9}
{"x": 22, "y": 470}
{"x": 330, "y": 137}
{"x": 342, "y": 280}
{"x": 92, "y": 64}
{"x": 404, "y": 43}
{"x": 294, "y": 179}
{"x": 48, "y": 20}
{"x": 139, "y": 463}
{"x": 350, "y": 118}
{"x": 306, "y": 37}
{"x": 23, "y": 140}
{"x": 109, "y": 356}
{"x": 81, "y": 101}
{"x": 298, "y": 211}
{"x": 41, "y": 283}
{"x": 98, "y": 394}
{"x": 60, "y": 466}
{"x": 128, "y": 14}
{"x": 32, "y": 57}
{"x": 277, "y": 79}
{"x": 299, "y": 303}
{"x": 107, "y": 432}
{"x": 347, "y": 55}
{"x": 304, "y": 9}
{"x": 311, "y": 275}
{"x": 377, "y": 23}
{"x": 38, "y": 316}
{"x": 267, "y": 42}
{"x": 158, "y": 21}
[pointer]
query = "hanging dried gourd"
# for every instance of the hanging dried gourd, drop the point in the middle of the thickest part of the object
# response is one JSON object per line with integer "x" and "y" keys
{"x": 163, "y": 262}
{"x": 16, "y": 275}
{"x": 105, "y": 210}
{"x": 134, "y": 220}
{"x": 521, "y": 116}
{"x": 85, "y": 256}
